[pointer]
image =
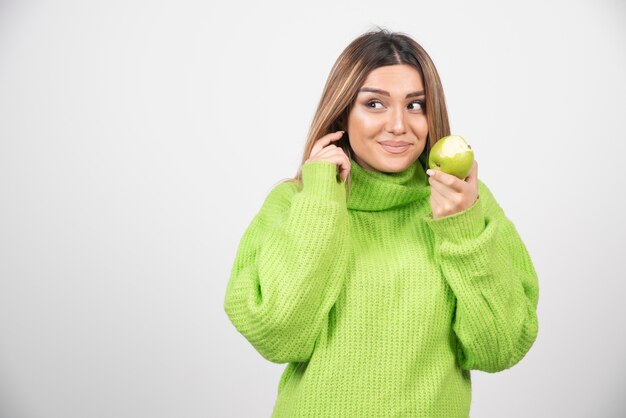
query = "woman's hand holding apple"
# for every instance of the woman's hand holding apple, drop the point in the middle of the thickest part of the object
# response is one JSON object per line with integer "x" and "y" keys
{"x": 449, "y": 194}
{"x": 323, "y": 150}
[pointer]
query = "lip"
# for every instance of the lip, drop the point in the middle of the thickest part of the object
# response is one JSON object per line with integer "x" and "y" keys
{"x": 395, "y": 147}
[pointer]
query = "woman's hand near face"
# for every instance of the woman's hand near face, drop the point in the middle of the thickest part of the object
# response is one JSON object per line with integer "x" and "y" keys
{"x": 449, "y": 194}
{"x": 323, "y": 150}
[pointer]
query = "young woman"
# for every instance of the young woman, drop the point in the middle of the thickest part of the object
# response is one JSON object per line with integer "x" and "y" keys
{"x": 381, "y": 285}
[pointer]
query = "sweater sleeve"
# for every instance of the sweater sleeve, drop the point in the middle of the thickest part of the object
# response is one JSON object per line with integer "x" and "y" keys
{"x": 290, "y": 265}
{"x": 489, "y": 270}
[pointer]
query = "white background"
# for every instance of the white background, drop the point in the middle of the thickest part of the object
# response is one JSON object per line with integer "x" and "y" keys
{"x": 139, "y": 138}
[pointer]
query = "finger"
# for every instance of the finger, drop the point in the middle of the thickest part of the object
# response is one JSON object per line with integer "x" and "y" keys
{"x": 437, "y": 196}
{"x": 331, "y": 155}
{"x": 327, "y": 152}
{"x": 325, "y": 140}
{"x": 344, "y": 168}
{"x": 446, "y": 179}
{"x": 442, "y": 181}
{"x": 334, "y": 154}
{"x": 441, "y": 189}
{"x": 436, "y": 201}
{"x": 472, "y": 178}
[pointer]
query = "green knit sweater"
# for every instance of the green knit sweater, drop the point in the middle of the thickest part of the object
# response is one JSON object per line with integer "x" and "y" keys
{"x": 379, "y": 309}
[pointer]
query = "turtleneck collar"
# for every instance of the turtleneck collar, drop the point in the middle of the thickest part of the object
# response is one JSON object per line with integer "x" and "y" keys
{"x": 376, "y": 191}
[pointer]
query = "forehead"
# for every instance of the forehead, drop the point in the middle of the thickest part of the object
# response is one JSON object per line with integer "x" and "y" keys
{"x": 395, "y": 78}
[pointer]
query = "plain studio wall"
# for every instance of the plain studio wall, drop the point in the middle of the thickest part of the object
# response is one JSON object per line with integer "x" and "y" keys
{"x": 139, "y": 138}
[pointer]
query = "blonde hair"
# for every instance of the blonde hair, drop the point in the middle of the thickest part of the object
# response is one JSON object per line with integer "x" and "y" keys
{"x": 369, "y": 51}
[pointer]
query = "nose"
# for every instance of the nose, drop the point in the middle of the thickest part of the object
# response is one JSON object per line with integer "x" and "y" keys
{"x": 395, "y": 122}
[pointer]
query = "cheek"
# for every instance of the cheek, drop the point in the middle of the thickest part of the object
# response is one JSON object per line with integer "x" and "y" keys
{"x": 363, "y": 123}
{"x": 420, "y": 127}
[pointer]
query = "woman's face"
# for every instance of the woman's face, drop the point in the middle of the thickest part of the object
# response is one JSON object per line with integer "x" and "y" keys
{"x": 387, "y": 125}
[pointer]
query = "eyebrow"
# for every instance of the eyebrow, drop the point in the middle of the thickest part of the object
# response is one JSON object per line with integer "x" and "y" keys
{"x": 386, "y": 93}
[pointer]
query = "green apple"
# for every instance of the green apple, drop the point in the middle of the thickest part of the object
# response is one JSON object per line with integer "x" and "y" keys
{"x": 452, "y": 155}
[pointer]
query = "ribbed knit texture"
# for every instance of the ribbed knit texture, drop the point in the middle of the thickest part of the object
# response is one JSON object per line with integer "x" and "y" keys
{"x": 379, "y": 309}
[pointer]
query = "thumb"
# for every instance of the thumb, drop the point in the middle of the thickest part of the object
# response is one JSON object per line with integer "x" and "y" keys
{"x": 472, "y": 178}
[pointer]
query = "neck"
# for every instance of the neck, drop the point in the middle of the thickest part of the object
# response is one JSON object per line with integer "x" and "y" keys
{"x": 372, "y": 190}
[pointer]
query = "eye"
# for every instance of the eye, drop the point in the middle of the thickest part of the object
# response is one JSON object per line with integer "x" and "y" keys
{"x": 374, "y": 103}
{"x": 421, "y": 104}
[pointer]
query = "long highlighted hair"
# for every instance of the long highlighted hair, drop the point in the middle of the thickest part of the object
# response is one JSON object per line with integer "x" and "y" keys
{"x": 369, "y": 51}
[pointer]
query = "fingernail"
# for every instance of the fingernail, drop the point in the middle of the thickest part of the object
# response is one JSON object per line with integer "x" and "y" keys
{"x": 430, "y": 172}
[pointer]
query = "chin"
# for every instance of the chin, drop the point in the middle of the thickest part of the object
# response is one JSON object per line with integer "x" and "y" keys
{"x": 393, "y": 165}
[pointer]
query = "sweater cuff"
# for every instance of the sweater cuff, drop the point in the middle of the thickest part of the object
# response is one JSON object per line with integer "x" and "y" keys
{"x": 320, "y": 179}
{"x": 461, "y": 226}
